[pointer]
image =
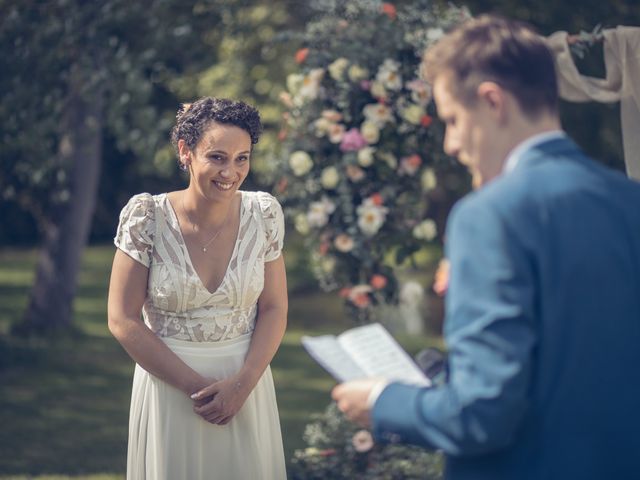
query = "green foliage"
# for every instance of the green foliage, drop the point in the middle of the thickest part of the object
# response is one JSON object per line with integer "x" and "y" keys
{"x": 143, "y": 58}
{"x": 251, "y": 65}
{"x": 115, "y": 53}
{"x": 338, "y": 449}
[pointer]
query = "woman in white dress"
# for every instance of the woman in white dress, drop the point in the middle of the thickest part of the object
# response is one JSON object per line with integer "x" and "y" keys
{"x": 204, "y": 266}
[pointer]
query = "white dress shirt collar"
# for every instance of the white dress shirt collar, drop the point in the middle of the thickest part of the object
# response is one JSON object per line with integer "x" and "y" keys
{"x": 516, "y": 153}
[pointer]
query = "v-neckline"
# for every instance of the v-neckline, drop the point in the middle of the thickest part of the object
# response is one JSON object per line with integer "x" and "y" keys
{"x": 186, "y": 249}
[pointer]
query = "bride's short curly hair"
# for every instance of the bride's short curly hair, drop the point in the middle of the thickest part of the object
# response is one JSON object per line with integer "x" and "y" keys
{"x": 194, "y": 118}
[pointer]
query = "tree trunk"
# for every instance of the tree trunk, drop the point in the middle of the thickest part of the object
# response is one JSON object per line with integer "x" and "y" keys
{"x": 66, "y": 232}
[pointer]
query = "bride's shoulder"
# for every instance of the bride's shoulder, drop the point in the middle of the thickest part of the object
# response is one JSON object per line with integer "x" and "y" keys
{"x": 266, "y": 203}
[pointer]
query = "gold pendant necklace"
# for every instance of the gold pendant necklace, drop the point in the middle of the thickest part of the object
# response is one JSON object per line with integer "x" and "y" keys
{"x": 193, "y": 226}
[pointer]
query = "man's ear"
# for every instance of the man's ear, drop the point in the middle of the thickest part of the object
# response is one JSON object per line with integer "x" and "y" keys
{"x": 494, "y": 98}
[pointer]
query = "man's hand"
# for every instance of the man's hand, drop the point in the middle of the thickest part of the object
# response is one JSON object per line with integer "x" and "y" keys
{"x": 352, "y": 399}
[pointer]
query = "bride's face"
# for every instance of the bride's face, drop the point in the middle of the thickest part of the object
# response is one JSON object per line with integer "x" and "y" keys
{"x": 220, "y": 161}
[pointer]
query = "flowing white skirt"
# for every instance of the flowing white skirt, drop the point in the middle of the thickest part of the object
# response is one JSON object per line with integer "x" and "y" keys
{"x": 168, "y": 441}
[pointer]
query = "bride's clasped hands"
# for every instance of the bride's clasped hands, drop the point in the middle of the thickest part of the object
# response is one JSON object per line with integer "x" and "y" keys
{"x": 219, "y": 401}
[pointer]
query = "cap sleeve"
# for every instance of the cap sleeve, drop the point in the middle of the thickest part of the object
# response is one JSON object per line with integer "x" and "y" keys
{"x": 274, "y": 225}
{"x": 136, "y": 228}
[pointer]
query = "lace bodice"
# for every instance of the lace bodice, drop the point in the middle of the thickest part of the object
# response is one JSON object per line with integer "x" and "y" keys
{"x": 178, "y": 305}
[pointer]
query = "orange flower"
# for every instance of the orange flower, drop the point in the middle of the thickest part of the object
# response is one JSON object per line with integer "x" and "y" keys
{"x": 376, "y": 198}
{"x": 441, "y": 282}
{"x": 378, "y": 281}
{"x": 283, "y": 134}
{"x": 389, "y": 9}
{"x": 414, "y": 160}
{"x": 344, "y": 292}
{"x": 426, "y": 120}
{"x": 301, "y": 55}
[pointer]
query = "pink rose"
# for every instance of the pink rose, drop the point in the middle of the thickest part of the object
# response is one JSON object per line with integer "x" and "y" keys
{"x": 362, "y": 441}
{"x": 352, "y": 141}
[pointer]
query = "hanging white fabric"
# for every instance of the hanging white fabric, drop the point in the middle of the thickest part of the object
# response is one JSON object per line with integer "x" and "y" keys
{"x": 621, "y": 84}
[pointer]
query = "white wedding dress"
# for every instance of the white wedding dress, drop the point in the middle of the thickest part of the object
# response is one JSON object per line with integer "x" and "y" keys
{"x": 211, "y": 332}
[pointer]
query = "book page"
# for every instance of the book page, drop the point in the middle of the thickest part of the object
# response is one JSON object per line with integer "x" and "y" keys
{"x": 327, "y": 352}
{"x": 378, "y": 354}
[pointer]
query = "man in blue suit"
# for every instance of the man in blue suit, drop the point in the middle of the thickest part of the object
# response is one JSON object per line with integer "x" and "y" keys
{"x": 543, "y": 308}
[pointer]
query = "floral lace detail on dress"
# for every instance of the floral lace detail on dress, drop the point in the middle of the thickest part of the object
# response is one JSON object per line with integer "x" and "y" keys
{"x": 136, "y": 228}
{"x": 274, "y": 225}
{"x": 178, "y": 305}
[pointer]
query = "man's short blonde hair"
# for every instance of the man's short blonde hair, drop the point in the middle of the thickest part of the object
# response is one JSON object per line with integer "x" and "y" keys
{"x": 491, "y": 48}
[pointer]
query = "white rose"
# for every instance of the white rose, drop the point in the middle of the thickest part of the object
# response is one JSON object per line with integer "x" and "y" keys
{"x": 328, "y": 264}
{"x": 343, "y": 243}
{"x": 388, "y": 75}
{"x": 322, "y": 126}
{"x": 389, "y": 158}
{"x": 377, "y": 113}
{"x": 318, "y": 214}
{"x": 301, "y": 224}
{"x": 434, "y": 34}
{"x": 365, "y": 156}
{"x": 300, "y": 162}
{"x": 378, "y": 90}
{"x": 329, "y": 178}
{"x": 336, "y": 132}
{"x": 294, "y": 82}
{"x": 310, "y": 85}
{"x": 337, "y": 68}
{"x": 420, "y": 91}
{"x": 371, "y": 217}
{"x": 425, "y": 230}
{"x": 331, "y": 115}
{"x": 428, "y": 179}
{"x": 370, "y": 132}
{"x": 412, "y": 113}
{"x": 356, "y": 72}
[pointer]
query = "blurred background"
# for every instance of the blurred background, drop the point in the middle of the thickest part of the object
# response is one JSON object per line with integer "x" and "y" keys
{"x": 88, "y": 94}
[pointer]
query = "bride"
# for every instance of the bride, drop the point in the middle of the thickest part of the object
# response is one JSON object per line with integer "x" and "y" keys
{"x": 204, "y": 267}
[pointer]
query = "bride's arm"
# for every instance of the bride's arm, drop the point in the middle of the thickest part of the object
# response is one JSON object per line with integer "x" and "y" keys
{"x": 127, "y": 292}
{"x": 231, "y": 393}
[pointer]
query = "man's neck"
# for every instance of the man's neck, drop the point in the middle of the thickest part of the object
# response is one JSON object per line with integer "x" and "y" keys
{"x": 524, "y": 128}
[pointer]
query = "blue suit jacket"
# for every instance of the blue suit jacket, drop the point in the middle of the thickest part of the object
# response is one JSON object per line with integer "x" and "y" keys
{"x": 543, "y": 329}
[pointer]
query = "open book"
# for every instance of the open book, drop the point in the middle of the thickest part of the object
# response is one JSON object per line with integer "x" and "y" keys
{"x": 360, "y": 352}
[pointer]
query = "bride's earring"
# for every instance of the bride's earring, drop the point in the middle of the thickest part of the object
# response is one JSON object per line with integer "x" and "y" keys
{"x": 183, "y": 164}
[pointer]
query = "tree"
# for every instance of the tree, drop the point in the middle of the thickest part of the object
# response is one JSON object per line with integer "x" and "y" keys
{"x": 71, "y": 71}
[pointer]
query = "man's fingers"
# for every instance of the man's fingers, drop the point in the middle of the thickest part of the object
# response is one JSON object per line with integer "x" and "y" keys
{"x": 336, "y": 392}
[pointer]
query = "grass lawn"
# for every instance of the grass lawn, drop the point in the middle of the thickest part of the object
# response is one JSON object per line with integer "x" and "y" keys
{"x": 64, "y": 402}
